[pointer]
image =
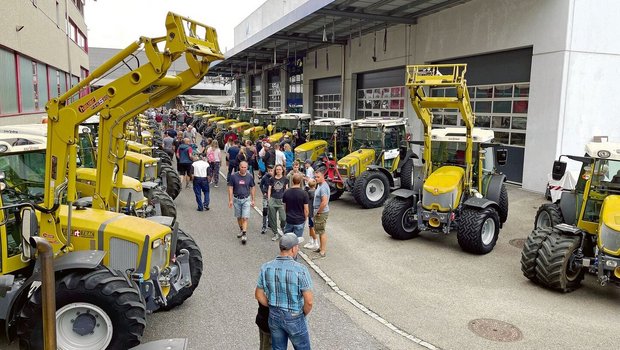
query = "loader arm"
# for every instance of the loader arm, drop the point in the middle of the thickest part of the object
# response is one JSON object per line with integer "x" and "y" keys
{"x": 141, "y": 88}
{"x": 429, "y": 76}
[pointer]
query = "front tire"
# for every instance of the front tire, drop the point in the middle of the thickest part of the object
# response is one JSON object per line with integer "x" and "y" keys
{"x": 185, "y": 241}
{"x": 556, "y": 267}
{"x": 96, "y": 309}
{"x": 173, "y": 181}
{"x": 371, "y": 189}
{"x": 399, "y": 218}
{"x": 166, "y": 204}
{"x": 478, "y": 230}
{"x": 406, "y": 175}
{"x": 503, "y": 204}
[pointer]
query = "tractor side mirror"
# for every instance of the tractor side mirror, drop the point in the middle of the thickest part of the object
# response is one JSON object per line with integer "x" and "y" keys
{"x": 29, "y": 228}
{"x": 502, "y": 156}
{"x": 559, "y": 168}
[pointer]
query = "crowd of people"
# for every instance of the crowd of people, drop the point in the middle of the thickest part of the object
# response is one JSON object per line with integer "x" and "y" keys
{"x": 294, "y": 196}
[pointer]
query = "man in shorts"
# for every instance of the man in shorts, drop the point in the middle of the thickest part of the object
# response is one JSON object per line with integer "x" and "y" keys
{"x": 184, "y": 157}
{"x": 321, "y": 210}
{"x": 241, "y": 193}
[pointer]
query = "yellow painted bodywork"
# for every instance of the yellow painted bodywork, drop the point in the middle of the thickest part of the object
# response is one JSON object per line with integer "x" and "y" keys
{"x": 362, "y": 158}
{"x": 240, "y": 127}
{"x": 445, "y": 180}
{"x": 224, "y": 124}
{"x": 610, "y": 217}
{"x": 139, "y": 148}
{"x": 87, "y": 177}
{"x": 318, "y": 147}
{"x": 215, "y": 118}
{"x": 142, "y": 162}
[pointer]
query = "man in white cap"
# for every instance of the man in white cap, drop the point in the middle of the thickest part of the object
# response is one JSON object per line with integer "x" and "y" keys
{"x": 285, "y": 286}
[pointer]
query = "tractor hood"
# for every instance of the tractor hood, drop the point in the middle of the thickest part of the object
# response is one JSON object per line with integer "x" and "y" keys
{"x": 442, "y": 188}
{"x": 609, "y": 226}
{"x": 89, "y": 174}
{"x": 310, "y": 145}
{"x": 276, "y": 137}
{"x": 365, "y": 154}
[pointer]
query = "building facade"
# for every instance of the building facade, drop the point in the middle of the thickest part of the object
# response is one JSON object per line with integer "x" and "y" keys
{"x": 540, "y": 73}
{"x": 43, "y": 52}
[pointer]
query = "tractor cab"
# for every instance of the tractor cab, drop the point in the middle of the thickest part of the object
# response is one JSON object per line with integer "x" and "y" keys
{"x": 263, "y": 123}
{"x": 327, "y": 136}
{"x": 291, "y": 124}
{"x": 376, "y": 141}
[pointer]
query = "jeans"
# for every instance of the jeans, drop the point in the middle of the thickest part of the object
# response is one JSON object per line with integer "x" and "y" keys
{"x": 285, "y": 325}
{"x": 298, "y": 230}
{"x": 201, "y": 186}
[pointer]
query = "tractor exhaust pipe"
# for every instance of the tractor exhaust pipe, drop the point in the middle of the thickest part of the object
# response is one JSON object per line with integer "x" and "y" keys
{"x": 48, "y": 290}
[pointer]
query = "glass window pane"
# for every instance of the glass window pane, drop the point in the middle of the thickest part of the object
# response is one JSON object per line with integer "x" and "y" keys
{"x": 519, "y": 123}
{"x": 449, "y": 119}
{"x": 63, "y": 83}
{"x": 360, "y": 104}
{"x": 437, "y": 92}
{"x": 450, "y": 92}
{"x": 26, "y": 84}
{"x": 519, "y": 106}
{"x": 501, "y": 122}
{"x": 501, "y": 106}
{"x": 522, "y": 90}
{"x": 360, "y": 93}
{"x": 501, "y": 137}
{"x": 396, "y": 92}
{"x": 483, "y": 107}
{"x": 8, "y": 88}
{"x": 42, "y": 85}
{"x": 484, "y": 92}
{"x": 503, "y": 91}
{"x": 483, "y": 121}
{"x": 517, "y": 139}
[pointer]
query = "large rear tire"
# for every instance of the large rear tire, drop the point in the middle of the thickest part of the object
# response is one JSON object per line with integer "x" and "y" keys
{"x": 185, "y": 241}
{"x": 220, "y": 139}
{"x": 530, "y": 251}
{"x": 399, "y": 218}
{"x": 406, "y": 175}
{"x": 173, "y": 181}
{"x": 96, "y": 309}
{"x": 556, "y": 266}
{"x": 478, "y": 230}
{"x": 548, "y": 215}
{"x": 168, "y": 208}
{"x": 503, "y": 204}
{"x": 371, "y": 189}
{"x": 165, "y": 158}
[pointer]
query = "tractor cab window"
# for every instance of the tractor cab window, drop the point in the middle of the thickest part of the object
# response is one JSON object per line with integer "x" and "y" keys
{"x": 286, "y": 124}
{"x": 448, "y": 153}
{"x": 304, "y": 125}
{"x": 392, "y": 138}
{"x": 369, "y": 137}
{"x": 603, "y": 174}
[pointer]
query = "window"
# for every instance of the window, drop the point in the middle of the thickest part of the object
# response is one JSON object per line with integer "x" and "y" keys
{"x": 76, "y": 35}
{"x": 83, "y": 75}
{"x": 27, "y": 84}
{"x": 242, "y": 93}
{"x": 8, "y": 88}
{"x": 80, "y": 5}
{"x": 327, "y": 106}
{"x": 381, "y": 102}
{"x": 257, "y": 101}
{"x": 41, "y": 86}
{"x": 295, "y": 93}
{"x": 500, "y": 107}
{"x": 275, "y": 103}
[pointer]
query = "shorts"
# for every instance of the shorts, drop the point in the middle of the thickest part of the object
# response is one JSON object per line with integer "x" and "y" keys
{"x": 320, "y": 222}
{"x": 185, "y": 168}
{"x": 242, "y": 207}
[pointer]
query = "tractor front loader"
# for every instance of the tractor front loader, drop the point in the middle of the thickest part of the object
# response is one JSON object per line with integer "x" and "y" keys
{"x": 110, "y": 268}
{"x": 580, "y": 232}
{"x": 459, "y": 187}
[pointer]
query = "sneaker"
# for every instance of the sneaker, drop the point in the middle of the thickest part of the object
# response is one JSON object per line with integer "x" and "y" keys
{"x": 320, "y": 256}
{"x": 262, "y": 231}
{"x": 215, "y": 185}
{"x": 244, "y": 238}
{"x": 317, "y": 248}
{"x": 199, "y": 209}
{"x": 300, "y": 240}
{"x": 207, "y": 208}
{"x": 310, "y": 245}
{"x": 275, "y": 238}
{"x": 239, "y": 234}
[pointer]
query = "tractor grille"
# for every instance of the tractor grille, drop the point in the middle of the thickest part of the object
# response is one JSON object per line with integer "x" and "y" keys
{"x": 441, "y": 202}
{"x": 344, "y": 171}
{"x": 123, "y": 254}
{"x": 610, "y": 239}
{"x": 158, "y": 257}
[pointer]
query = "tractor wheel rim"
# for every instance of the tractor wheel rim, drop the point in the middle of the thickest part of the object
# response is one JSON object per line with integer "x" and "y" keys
{"x": 99, "y": 337}
{"x": 375, "y": 190}
{"x": 488, "y": 231}
{"x": 544, "y": 220}
{"x": 572, "y": 269}
{"x": 410, "y": 220}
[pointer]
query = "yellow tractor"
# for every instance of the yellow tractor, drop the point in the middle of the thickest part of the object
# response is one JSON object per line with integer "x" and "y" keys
{"x": 581, "y": 231}
{"x": 380, "y": 161}
{"x": 328, "y": 138}
{"x": 458, "y": 186}
{"x": 111, "y": 269}
{"x": 292, "y": 125}
{"x": 263, "y": 124}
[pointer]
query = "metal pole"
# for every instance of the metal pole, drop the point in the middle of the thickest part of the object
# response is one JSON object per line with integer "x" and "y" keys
{"x": 48, "y": 291}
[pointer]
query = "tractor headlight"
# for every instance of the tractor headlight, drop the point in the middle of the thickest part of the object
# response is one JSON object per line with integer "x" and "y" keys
{"x": 353, "y": 170}
{"x": 157, "y": 243}
{"x": 168, "y": 238}
{"x": 611, "y": 263}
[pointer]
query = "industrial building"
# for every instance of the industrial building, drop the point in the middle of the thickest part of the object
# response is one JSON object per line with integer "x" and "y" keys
{"x": 540, "y": 73}
{"x": 36, "y": 67}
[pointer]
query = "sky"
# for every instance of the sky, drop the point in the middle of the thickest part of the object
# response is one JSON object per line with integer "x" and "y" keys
{"x": 117, "y": 23}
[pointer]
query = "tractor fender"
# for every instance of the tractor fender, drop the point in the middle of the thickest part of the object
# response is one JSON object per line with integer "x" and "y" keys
{"x": 404, "y": 193}
{"x": 149, "y": 185}
{"x": 568, "y": 203}
{"x": 374, "y": 167}
{"x": 76, "y": 260}
{"x": 480, "y": 203}
{"x": 494, "y": 187}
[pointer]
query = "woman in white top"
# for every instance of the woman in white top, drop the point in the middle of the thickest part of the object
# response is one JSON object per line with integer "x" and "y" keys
{"x": 213, "y": 157}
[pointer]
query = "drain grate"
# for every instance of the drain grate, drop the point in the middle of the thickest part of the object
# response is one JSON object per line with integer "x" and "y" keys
{"x": 518, "y": 243}
{"x": 495, "y": 330}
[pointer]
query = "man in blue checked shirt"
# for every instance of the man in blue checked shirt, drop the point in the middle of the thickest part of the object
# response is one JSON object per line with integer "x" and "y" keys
{"x": 286, "y": 287}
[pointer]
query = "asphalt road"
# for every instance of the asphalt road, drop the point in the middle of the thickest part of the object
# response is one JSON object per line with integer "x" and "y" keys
{"x": 426, "y": 287}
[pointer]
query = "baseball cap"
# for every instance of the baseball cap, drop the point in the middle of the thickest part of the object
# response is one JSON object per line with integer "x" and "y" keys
{"x": 308, "y": 161}
{"x": 288, "y": 241}
{"x": 267, "y": 144}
